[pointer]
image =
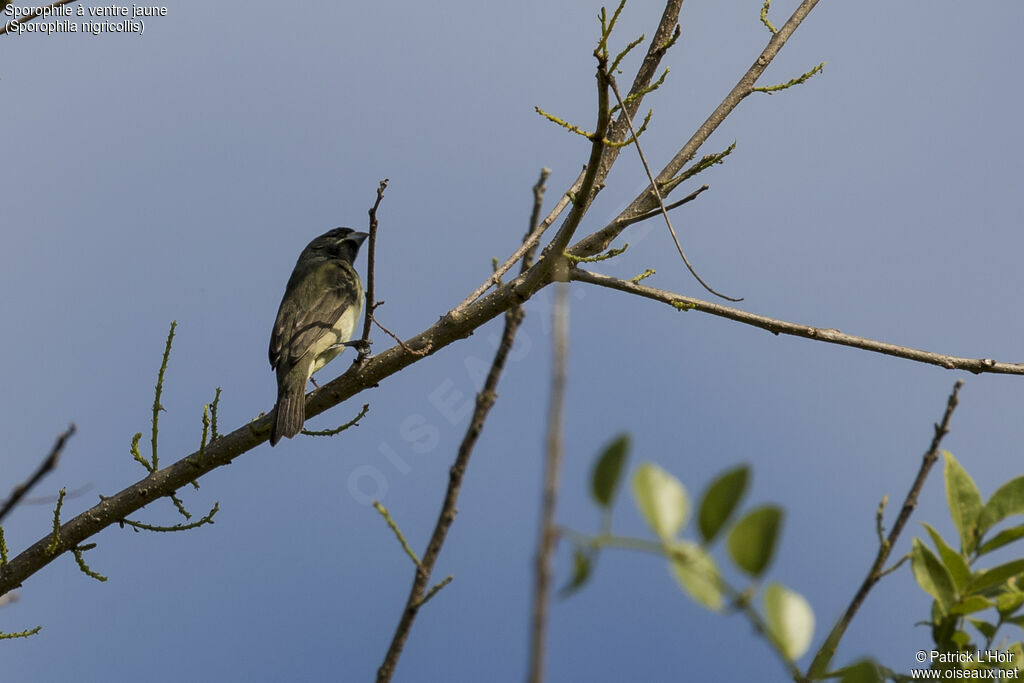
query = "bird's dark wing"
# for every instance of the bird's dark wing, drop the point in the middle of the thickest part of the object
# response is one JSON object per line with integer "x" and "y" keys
{"x": 317, "y": 298}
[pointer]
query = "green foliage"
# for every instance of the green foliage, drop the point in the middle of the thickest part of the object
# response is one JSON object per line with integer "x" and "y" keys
{"x": 720, "y": 501}
{"x": 752, "y": 541}
{"x": 582, "y": 564}
{"x": 932, "y": 576}
{"x": 662, "y": 500}
{"x": 790, "y": 620}
{"x": 1007, "y": 500}
{"x": 966, "y": 599}
{"x": 697, "y": 574}
{"x": 964, "y": 502}
{"x": 604, "y": 483}
{"x": 786, "y": 620}
{"x": 861, "y": 671}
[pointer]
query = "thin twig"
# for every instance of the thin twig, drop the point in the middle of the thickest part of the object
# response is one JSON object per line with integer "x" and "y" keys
{"x": 418, "y": 352}
{"x": 657, "y": 212}
{"x": 828, "y": 648}
{"x": 548, "y": 534}
{"x": 47, "y": 465}
{"x": 371, "y": 303}
{"x": 35, "y": 12}
{"x": 386, "y": 514}
{"x": 644, "y": 202}
{"x": 484, "y": 400}
{"x": 829, "y": 336}
{"x": 530, "y": 243}
{"x": 603, "y": 154}
{"x": 553, "y": 253}
{"x": 661, "y": 200}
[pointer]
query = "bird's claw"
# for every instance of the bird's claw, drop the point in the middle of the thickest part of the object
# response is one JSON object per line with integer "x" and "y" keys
{"x": 360, "y": 345}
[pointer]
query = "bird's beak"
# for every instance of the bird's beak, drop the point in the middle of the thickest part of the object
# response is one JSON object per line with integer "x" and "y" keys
{"x": 358, "y": 237}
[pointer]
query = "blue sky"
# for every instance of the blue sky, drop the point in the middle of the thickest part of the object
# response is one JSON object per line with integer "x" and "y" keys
{"x": 177, "y": 174}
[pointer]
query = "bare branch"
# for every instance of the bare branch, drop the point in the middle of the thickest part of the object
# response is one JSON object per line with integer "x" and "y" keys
{"x": 46, "y": 466}
{"x": 830, "y": 336}
{"x": 418, "y": 594}
{"x": 674, "y": 205}
{"x": 548, "y": 533}
{"x": 645, "y": 201}
{"x": 664, "y": 37}
{"x": 371, "y": 302}
{"x": 828, "y": 648}
{"x": 661, "y": 200}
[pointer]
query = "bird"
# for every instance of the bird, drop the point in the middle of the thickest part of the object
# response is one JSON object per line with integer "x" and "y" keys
{"x": 315, "y": 321}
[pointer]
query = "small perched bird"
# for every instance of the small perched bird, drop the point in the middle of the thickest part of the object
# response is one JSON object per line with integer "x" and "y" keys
{"x": 318, "y": 314}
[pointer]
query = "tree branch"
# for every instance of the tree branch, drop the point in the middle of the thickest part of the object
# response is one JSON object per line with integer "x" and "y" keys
{"x": 830, "y": 336}
{"x": 548, "y": 533}
{"x": 828, "y": 648}
{"x": 484, "y": 400}
{"x": 645, "y": 201}
{"x": 529, "y": 245}
{"x": 371, "y": 252}
{"x": 47, "y": 465}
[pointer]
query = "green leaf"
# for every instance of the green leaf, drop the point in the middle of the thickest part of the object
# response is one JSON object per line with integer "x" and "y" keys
{"x": 955, "y": 563}
{"x": 752, "y": 541}
{"x": 1018, "y": 621}
{"x": 863, "y": 671}
{"x": 790, "y": 620}
{"x": 971, "y": 604}
{"x": 1007, "y": 500}
{"x": 943, "y": 629}
{"x": 984, "y": 579}
{"x": 932, "y": 576}
{"x": 1008, "y": 602}
{"x": 697, "y": 573}
{"x": 662, "y": 500}
{"x": 961, "y": 639}
{"x": 604, "y": 482}
{"x": 1004, "y": 537}
{"x": 964, "y": 502}
{"x": 986, "y": 629}
{"x": 720, "y": 500}
{"x": 582, "y": 564}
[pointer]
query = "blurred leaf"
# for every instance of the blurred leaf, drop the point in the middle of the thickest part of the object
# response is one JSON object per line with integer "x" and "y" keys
{"x": 1002, "y": 538}
{"x": 604, "y": 482}
{"x": 752, "y": 541}
{"x": 790, "y": 619}
{"x": 662, "y": 500}
{"x": 969, "y": 605}
{"x": 1007, "y": 500}
{"x": 1008, "y": 602}
{"x": 961, "y": 640}
{"x": 964, "y": 502}
{"x": 697, "y": 573}
{"x": 863, "y": 671}
{"x": 955, "y": 563}
{"x": 720, "y": 499}
{"x": 986, "y": 629}
{"x": 943, "y": 628}
{"x": 990, "y": 578}
{"x": 582, "y": 563}
{"x": 932, "y": 576}
{"x": 1018, "y": 621}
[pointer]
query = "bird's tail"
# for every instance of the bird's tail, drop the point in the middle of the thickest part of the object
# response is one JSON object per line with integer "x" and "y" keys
{"x": 289, "y": 414}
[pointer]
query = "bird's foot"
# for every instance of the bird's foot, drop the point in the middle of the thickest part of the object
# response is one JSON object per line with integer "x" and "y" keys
{"x": 360, "y": 345}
